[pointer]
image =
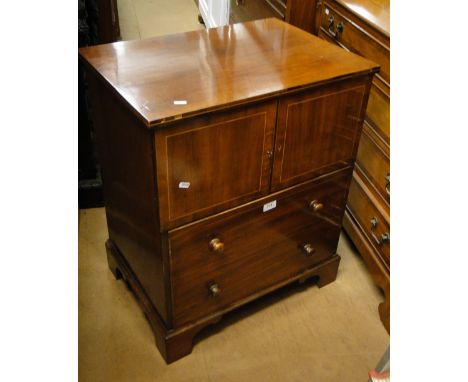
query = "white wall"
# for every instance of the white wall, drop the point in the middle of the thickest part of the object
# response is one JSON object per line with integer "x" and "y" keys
{"x": 215, "y": 13}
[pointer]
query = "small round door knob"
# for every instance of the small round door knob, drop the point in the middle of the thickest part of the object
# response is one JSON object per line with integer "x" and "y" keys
{"x": 316, "y": 205}
{"x": 214, "y": 290}
{"x": 308, "y": 249}
{"x": 216, "y": 245}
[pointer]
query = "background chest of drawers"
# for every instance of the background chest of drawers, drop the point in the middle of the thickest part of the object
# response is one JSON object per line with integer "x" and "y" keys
{"x": 226, "y": 160}
{"x": 363, "y": 27}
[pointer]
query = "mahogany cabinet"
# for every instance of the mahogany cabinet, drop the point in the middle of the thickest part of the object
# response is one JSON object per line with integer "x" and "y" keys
{"x": 227, "y": 156}
{"x": 363, "y": 27}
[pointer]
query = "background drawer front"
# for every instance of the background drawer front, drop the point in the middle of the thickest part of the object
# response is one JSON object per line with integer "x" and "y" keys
{"x": 364, "y": 211}
{"x": 354, "y": 37}
{"x": 375, "y": 165}
{"x": 260, "y": 248}
{"x": 214, "y": 162}
{"x": 378, "y": 112}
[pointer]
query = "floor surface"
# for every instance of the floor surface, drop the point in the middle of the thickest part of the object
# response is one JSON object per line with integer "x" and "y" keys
{"x": 147, "y": 18}
{"x": 300, "y": 333}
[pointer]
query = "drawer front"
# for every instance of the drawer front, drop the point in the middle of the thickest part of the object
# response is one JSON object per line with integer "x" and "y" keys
{"x": 341, "y": 27}
{"x": 373, "y": 223}
{"x": 215, "y": 162}
{"x": 378, "y": 112}
{"x": 221, "y": 260}
{"x": 375, "y": 165}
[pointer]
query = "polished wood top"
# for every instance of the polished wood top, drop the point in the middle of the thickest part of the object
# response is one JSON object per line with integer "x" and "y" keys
{"x": 374, "y": 12}
{"x": 176, "y": 76}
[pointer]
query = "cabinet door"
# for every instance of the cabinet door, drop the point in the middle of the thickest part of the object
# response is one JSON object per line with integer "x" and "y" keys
{"x": 318, "y": 131}
{"x": 210, "y": 163}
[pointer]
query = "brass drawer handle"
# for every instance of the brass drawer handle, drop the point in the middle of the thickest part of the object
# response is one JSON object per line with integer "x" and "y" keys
{"x": 384, "y": 238}
{"x": 215, "y": 290}
{"x": 216, "y": 245}
{"x": 387, "y": 185}
{"x": 315, "y": 205}
{"x": 339, "y": 27}
{"x": 308, "y": 249}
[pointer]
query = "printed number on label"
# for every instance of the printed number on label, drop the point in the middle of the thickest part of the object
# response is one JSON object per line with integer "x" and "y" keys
{"x": 269, "y": 206}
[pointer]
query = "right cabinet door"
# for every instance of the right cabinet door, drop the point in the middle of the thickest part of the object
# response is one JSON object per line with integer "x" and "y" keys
{"x": 318, "y": 131}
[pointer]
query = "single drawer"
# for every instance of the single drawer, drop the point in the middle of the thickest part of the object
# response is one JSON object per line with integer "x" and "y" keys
{"x": 378, "y": 112}
{"x": 223, "y": 259}
{"x": 373, "y": 223}
{"x": 374, "y": 164}
{"x": 346, "y": 31}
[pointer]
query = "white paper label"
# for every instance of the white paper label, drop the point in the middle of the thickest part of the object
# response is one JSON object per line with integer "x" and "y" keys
{"x": 180, "y": 102}
{"x": 269, "y": 206}
{"x": 184, "y": 184}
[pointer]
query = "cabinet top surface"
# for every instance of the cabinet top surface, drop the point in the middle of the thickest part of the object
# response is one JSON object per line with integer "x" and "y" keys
{"x": 170, "y": 77}
{"x": 375, "y": 12}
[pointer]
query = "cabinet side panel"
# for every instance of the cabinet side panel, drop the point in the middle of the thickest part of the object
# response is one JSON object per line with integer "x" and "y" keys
{"x": 125, "y": 151}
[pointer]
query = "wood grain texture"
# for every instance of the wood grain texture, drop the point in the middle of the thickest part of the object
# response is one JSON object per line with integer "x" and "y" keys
{"x": 318, "y": 131}
{"x": 126, "y": 157}
{"x": 172, "y": 344}
{"x": 378, "y": 113}
{"x": 380, "y": 274}
{"x": 218, "y": 67}
{"x": 374, "y": 164}
{"x": 303, "y": 14}
{"x": 365, "y": 30}
{"x": 261, "y": 248}
{"x": 276, "y": 116}
{"x": 299, "y": 332}
{"x": 376, "y": 13}
{"x": 354, "y": 38}
{"x": 363, "y": 208}
{"x": 223, "y": 158}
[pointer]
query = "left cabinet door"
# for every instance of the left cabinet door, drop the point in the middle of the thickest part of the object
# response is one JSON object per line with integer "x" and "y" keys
{"x": 210, "y": 163}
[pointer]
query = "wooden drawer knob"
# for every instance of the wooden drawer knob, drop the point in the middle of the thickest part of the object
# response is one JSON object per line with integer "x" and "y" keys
{"x": 315, "y": 205}
{"x": 214, "y": 290}
{"x": 216, "y": 245}
{"x": 308, "y": 249}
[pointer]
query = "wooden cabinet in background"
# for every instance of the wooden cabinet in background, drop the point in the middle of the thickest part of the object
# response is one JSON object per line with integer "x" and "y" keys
{"x": 109, "y": 27}
{"x": 363, "y": 27}
{"x": 301, "y": 13}
{"x": 304, "y": 14}
{"x": 226, "y": 161}
{"x": 98, "y": 23}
